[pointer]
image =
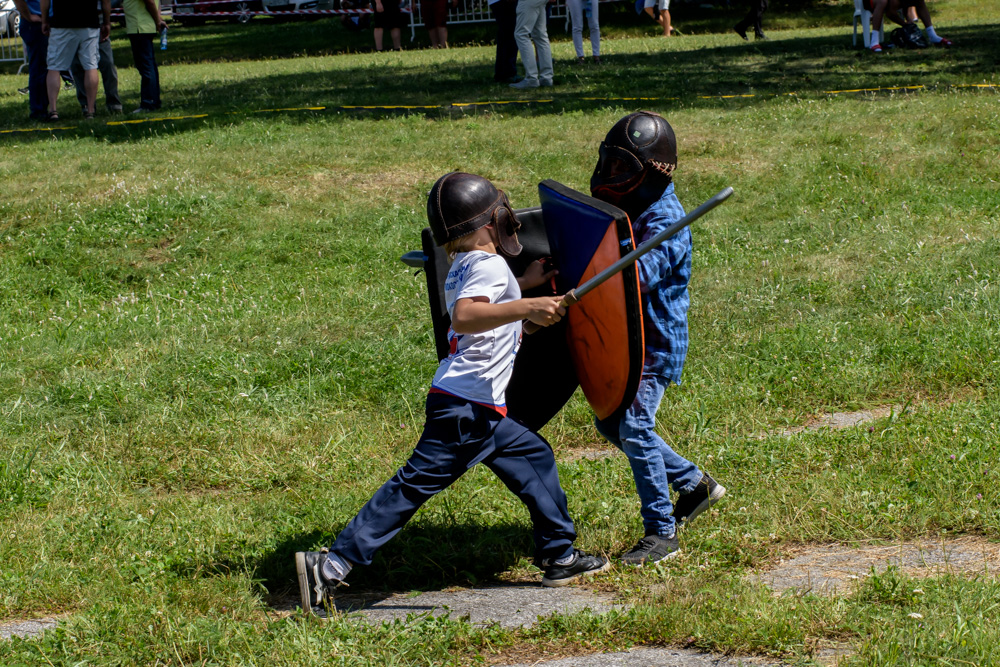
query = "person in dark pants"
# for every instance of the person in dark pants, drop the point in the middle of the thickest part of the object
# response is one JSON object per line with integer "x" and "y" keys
{"x": 142, "y": 23}
{"x": 467, "y": 420}
{"x": 505, "y": 13}
{"x": 37, "y": 46}
{"x": 752, "y": 20}
{"x": 109, "y": 78}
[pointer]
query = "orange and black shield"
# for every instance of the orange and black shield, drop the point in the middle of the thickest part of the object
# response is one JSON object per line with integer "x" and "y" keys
{"x": 604, "y": 334}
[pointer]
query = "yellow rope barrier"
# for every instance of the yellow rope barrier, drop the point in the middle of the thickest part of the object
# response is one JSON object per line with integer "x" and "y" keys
{"x": 462, "y": 105}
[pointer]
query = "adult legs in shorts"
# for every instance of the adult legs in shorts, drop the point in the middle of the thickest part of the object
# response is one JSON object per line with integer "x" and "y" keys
{"x": 435, "y": 14}
{"x": 109, "y": 78}
{"x": 64, "y": 45}
{"x": 390, "y": 18}
{"x": 661, "y": 14}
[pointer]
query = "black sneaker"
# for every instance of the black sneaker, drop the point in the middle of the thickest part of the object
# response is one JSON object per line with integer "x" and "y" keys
{"x": 652, "y": 549}
{"x": 690, "y": 505}
{"x": 315, "y": 591}
{"x": 582, "y": 564}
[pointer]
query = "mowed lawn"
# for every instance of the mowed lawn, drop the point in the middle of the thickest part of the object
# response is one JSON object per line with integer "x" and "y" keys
{"x": 211, "y": 355}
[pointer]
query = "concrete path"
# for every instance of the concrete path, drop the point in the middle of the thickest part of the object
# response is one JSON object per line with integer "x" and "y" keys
{"x": 508, "y": 605}
{"x": 832, "y": 569}
{"x": 650, "y": 657}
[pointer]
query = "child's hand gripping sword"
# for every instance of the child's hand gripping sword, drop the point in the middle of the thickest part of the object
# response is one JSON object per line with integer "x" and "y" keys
{"x": 575, "y": 295}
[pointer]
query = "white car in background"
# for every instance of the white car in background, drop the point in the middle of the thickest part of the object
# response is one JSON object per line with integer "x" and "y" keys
{"x": 10, "y": 20}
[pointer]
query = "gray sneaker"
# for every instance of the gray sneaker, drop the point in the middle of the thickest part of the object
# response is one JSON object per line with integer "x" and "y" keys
{"x": 315, "y": 591}
{"x": 546, "y": 83}
{"x": 524, "y": 84}
{"x": 690, "y": 505}
{"x": 652, "y": 549}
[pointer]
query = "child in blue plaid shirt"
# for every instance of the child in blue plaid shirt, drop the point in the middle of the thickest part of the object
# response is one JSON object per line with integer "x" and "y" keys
{"x": 634, "y": 172}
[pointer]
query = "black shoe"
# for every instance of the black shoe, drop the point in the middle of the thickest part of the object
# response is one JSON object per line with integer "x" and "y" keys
{"x": 23, "y": 91}
{"x": 690, "y": 505}
{"x": 741, "y": 31}
{"x": 759, "y": 34}
{"x": 652, "y": 549}
{"x": 582, "y": 564}
{"x": 315, "y": 591}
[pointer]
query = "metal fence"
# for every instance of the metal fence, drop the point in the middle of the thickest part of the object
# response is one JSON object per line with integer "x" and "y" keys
{"x": 11, "y": 46}
{"x": 469, "y": 11}
{"x": 478, "y": 11}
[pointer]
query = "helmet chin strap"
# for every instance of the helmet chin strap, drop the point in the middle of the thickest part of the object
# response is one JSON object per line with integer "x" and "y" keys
{"x": 495, "y": 235}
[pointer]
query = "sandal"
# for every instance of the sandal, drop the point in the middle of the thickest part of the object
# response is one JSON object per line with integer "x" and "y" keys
{"x": 88, "y": 115}
{"x": 52, "y": 116}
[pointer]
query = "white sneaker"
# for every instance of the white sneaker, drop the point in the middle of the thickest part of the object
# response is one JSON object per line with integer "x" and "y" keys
{"x": 525, "y": 84}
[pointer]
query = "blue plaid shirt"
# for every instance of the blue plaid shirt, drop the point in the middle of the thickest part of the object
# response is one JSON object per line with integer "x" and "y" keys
{"x": 664, "y": 274}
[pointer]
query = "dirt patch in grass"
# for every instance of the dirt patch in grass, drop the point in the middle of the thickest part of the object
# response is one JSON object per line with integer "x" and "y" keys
{"x": 832, "y": 569}
{"x": 838, "y": 420}
{"x": 592, "y": 452}
{"x": 26, "y": 629}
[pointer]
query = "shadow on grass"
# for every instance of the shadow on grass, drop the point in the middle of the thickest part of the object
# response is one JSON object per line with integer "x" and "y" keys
{"x": 421, "y": 557}
{"x": 267, "y": 38}
{"x": 700, "y": 78}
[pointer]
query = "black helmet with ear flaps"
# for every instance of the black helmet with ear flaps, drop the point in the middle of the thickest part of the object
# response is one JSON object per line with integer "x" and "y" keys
{"x": 636, "y": 163}
{"x": 460, "y": 203}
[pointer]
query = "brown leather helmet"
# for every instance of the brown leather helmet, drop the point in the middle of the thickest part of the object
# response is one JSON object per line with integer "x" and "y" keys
{"x": 461, "y": 203}
{"x": 637, "y": 159}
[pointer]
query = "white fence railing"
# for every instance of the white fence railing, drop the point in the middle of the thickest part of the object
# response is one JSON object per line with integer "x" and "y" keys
{"x": 11, "y": 46}
{"x": 471, "y": 11}
{"x": 477, "y": 11}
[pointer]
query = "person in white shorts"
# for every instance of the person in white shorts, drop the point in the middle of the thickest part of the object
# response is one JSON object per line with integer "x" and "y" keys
{"x": 74, "y": 28}
{"x": 664, "y": 14}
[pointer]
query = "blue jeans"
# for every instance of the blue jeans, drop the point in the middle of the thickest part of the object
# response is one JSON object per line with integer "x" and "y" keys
{"x": 458, "y": 435}
{"x": 149, "y": 74}
{"x": 532, "y": 38}
{"x": 655, "y": 466}
{"x": 37, "y": 45}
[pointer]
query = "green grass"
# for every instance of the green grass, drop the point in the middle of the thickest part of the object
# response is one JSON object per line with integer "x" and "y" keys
{"x": 210, "y": 354}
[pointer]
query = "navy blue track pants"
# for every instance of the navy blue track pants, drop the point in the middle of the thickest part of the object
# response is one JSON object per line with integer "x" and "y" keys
{"x": 458, "y": 435}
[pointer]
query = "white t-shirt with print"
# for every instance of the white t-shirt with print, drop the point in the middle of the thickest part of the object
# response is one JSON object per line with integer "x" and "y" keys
{"x": 478, "y": 366}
